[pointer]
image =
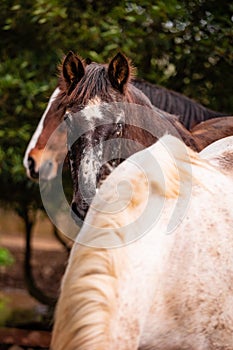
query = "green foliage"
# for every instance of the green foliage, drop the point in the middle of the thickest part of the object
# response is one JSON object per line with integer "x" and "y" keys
{"x": 186, "y": 46}
{"x": 6, "y": 259}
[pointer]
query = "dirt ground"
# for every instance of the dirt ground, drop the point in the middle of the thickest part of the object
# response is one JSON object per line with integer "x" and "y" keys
{"x": 49, "y": 260}
{"x": 47, "y": 266}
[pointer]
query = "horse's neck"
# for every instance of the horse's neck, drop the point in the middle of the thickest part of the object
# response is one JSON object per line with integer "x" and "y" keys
{"x": 184, "y": 133}
{"x": 134, "y": 95}
{"x": 147, "y": 125}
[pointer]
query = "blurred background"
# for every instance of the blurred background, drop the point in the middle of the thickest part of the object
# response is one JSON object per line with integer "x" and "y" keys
{"x": 186, "y": 46}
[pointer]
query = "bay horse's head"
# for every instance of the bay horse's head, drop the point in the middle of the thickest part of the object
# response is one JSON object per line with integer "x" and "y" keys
{"x": 42, "y": 156}
{"x": 95, "y": 118}
{"x": 37, "y": 157}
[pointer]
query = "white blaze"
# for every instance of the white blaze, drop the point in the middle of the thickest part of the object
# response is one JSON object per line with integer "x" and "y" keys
{"x": 92, "y": 110}
{"x": 39, "y": 128}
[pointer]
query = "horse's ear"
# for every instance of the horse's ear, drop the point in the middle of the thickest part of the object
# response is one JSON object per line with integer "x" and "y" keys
{"x": 73, "y": 70}
{"x": 119, "y": 71}
{"x": 88, "y": 60}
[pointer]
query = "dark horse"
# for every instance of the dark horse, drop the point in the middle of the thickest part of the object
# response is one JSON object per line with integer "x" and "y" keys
{"x": 189, "y": 111}
{"x": 108, "y": 120}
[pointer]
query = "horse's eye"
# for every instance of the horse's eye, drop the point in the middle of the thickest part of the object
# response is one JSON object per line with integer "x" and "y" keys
{"x": 119, "y": 129}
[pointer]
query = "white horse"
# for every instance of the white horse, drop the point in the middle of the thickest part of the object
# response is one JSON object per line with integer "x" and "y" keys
{"x": 129, "y": 284}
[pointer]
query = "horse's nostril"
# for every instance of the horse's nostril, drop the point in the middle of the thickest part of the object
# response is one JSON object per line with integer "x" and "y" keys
{"x": 74, "y": 208}
{"x": 31, "y": 163}
{"x": 31, "y": 166}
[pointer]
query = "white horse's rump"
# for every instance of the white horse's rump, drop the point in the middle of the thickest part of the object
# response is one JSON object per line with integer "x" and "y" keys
{"x": 161, "y": 291}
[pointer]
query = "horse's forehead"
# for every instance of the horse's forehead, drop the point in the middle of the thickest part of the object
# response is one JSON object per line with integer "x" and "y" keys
{"x": 95, "y": 101}
{"x": 97, "y": 110}
{"x": 93, "y": 110}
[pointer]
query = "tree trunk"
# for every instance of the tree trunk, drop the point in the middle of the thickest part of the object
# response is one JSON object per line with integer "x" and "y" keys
{"x": 33, "y": 290}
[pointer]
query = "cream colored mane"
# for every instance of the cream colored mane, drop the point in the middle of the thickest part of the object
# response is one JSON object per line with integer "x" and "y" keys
{"x": 86, "y": 302}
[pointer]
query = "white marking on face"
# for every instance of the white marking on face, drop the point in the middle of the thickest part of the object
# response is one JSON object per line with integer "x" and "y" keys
{"x": 91, "y": 163}
{"x": 39, "y": 128}
{"x": 92, "y": 110}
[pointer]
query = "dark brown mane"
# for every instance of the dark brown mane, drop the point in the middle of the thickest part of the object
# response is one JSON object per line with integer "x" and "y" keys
{"x": 95, "y": 83}
{"x": 189, "y": 111}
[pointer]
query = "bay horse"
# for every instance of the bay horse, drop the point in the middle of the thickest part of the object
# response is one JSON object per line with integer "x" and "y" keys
{"x": 93, "y": 87}
{"x": 153, "y": 290}
{"x": 108, "y": 119}
{"x": 212, "y": 130}
{"x": 189, "y": 112}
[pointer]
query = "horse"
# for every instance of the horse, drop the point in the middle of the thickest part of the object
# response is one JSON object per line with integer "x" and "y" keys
{"x": 212, "y": 130}
{"x": 204, "y": 134}
{"x": 93, "y": 87}
{"x": 189, "y": 112}
{"x": 154, "y": 290}
{"x": 108, "y": 119}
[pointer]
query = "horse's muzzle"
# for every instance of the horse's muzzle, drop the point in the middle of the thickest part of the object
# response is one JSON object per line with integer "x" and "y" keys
{"x": 31, "y": 169}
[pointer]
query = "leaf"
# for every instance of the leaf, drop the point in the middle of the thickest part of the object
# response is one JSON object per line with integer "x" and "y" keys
{"x": 6, "y": 259}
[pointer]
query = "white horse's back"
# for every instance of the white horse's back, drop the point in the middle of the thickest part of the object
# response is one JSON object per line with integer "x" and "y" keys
{"x": 168, "y": 283}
